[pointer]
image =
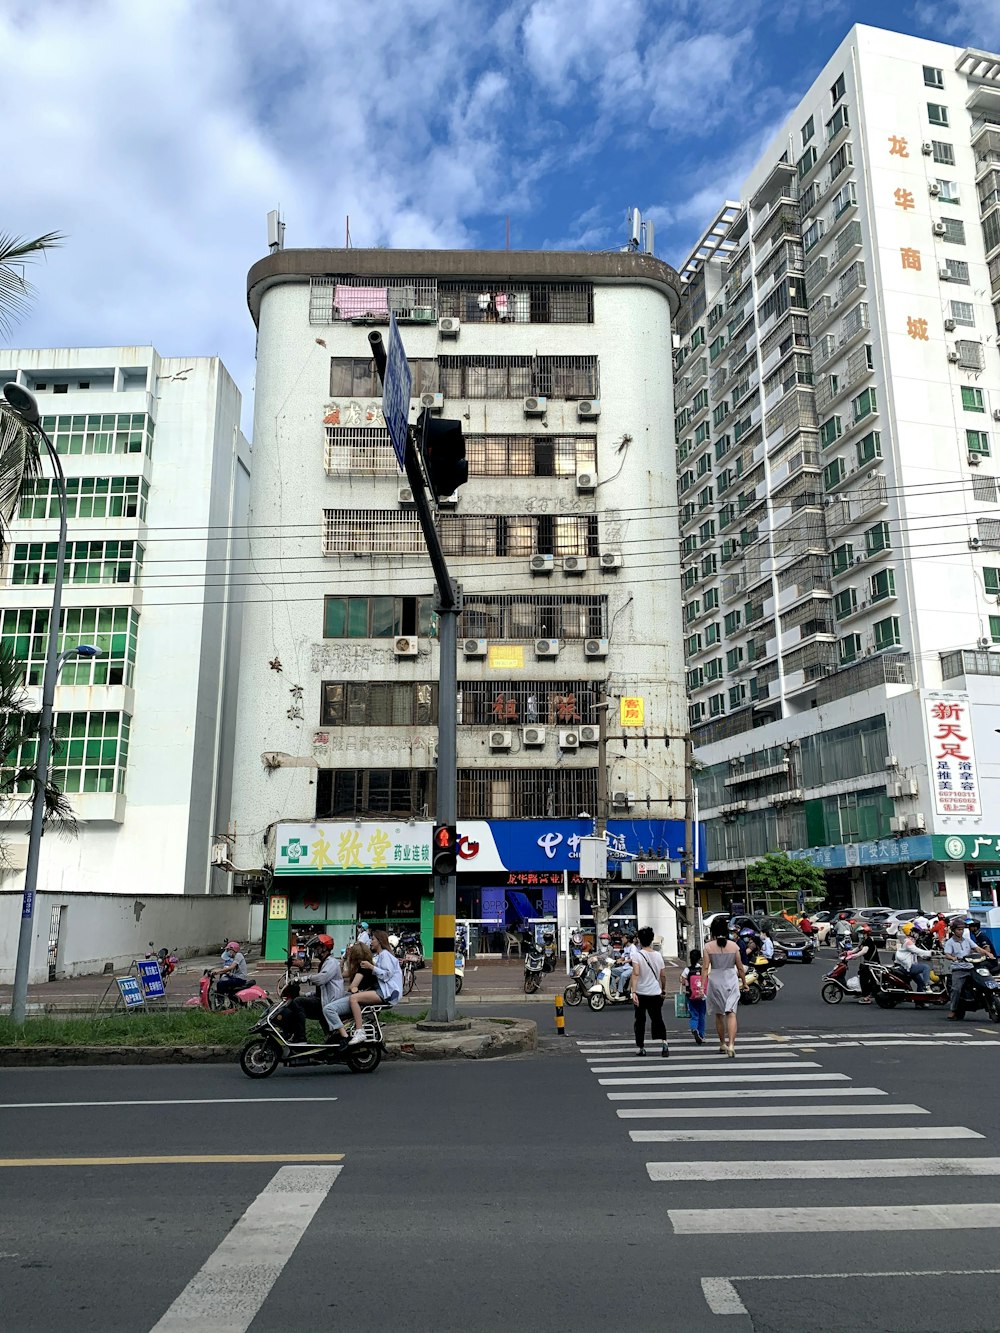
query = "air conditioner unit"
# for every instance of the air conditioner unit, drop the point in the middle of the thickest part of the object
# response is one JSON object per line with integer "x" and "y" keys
{"x": 533, "y": 735}
{"x": 542, "y": 564}
{"x": 912, "y": 787}
{"x": 588, "y": 409}
{"x": 569, "y": 740}
{"x": 996, "y": 414}
{"x": 590, "y": 735}
{"x": 944, "y": 273}
{"x": 546, "y": 647}
{"x": 449, "y": 326}
{"x": 974, "y": 458}
{"x": 622, "y": 800}
{"x": 897, "y": 823}
{"x": 897, "y": 791}
{"x": 433, "y": 402}
{"x": 891, "y": 761}
{"x": 949, "y": 326}
{"x": 611, "y": 560}
{"x": 574, "y": 564}
{"x": 926, "y": 148}
{"x": 447, "y": 501}
{"x": 586, "y": 481}
{"x": 983, "y": 643}
{"x": 916, "y": 822}
{"x": 954, "y": 357}
{"x": 974, "y": 543}
{"x": 474, "y": 647}
{"x": 595, "y": 647}
{"x": 220, "y": 853}
{"x": 535, "y": 407}
{"x": 501, "y": 740}
{"x": 934, "y": 189}
{"x": 405, "y": 646}
{"x": 939, "y": 229}
{"x": 405, "y": 495}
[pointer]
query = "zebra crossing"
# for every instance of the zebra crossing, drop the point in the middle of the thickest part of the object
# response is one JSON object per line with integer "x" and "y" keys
{"x": 767, "y": 1096}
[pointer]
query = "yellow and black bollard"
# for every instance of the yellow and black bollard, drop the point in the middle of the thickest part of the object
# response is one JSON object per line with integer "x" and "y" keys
{"x": 560, "y": 1021}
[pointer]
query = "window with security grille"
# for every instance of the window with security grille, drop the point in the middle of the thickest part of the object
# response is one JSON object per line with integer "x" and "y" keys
{"x": 943, "y": 153}
{"x": 89, "y": 753}
{"x": 113, "y": 629}
{"x": 364, "y": 703}
{"x": 548, "y": 703}
{"x": 984, "y": 489}
{"x": 371, "y": 300}
{"x": 522, "y": 616}
{"x": 87, "y": 497}
{"x": 525, "y": 793}
{"x": 518, "y": 303}
{"x": 359, "y": 792}
{"x": 988, "y": 530}
{"x": 568, "y": 377}
{"x": 958, "y": 270}
{"x": 358, "y": 449}
{"x": 86, "y": 562}
{"x": 970, "y": 354}
{"x": 963, "y": 312}
{"x": 356, "y": 377}
{"x": 531, "y": 455}
{"x": 954, "y": 230}
{"x": 101, "y": 433}
{"x": 474, "y": 535}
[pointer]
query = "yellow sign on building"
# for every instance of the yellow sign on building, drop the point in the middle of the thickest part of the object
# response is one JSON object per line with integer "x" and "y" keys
{"x": 632, "y": 712}
{"x": 278, "y": 908}
{"x": 506, "y": 657}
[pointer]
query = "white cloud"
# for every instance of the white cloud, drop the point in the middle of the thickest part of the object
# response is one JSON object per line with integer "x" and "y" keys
{"x": 965, "y": 22}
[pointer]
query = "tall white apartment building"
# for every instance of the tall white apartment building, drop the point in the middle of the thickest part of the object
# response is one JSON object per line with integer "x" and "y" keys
{"x": 558, "y": 540}
{"x": 156, "y": 476}
{"x": 838, "y": 398}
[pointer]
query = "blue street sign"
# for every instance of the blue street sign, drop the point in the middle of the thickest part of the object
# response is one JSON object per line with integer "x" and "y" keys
{"x": 396, "y": 392}
{"x": 28, "y": 903}
{"x": 152, "y": 982}
{"x": 130, "y": 991}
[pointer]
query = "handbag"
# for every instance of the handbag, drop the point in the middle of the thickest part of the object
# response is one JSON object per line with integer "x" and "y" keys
{"x": 681, "y": 1009}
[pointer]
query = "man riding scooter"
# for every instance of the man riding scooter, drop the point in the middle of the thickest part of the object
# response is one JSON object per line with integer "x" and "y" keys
{"x": 329, "y": 983}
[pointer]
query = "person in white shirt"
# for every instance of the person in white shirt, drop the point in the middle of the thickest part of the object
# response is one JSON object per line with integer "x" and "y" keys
{"x": 363, "y": 936}
{"x": 910, "y": 956}
{"x": 920, "y": 924}
{"x": 385, "y": 985}
{"x": 767, "y": 945}
{"x": 622, "y": 970}
{"x": 959, "y": 947}
{"x": 649, "y": 986}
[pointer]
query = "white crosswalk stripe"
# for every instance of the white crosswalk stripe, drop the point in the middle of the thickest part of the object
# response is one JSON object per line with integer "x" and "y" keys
{"x": 742, "y": 1112}
{"x": 812, "y": 1134}
{"x": 723, "y": 1079}
{"x": 718, "y": 1069}
{"x": 859, "y": 1168}
{"x": 879, "y": 1217}
{"x": 739, "y": 1094}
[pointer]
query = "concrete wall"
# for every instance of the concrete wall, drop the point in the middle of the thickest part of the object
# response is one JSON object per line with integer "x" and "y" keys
{"x": 102, "y": 928}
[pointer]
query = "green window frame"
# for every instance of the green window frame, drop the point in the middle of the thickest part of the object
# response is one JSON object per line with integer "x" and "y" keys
{"x": 972, "y": 399}
{"x": 711, "y": 599}
{"x": 849, "y": 648}
{"x": 834, "y": 473}
{"x": 732, "y": 622}
{"x": 841, "y": 558}
{"x": 712, "y": 634}
{"x": 877, "y": 538}
{"x": 882, "y": 585}
{"x": 869, "y": 447}
{"x": 991, "y": 581}
{"x": 101, "y": 433}
{"x": 830, "y": 431}
{"x": 864, "y": 405}
{"x": 978, "y": 442}
{"x": 937, "y": 114}
{"x": 692, "y": 644}
{"x": 716, "y": 705}
{"x": 845, "y": 603}
{"x": 995, "y": 628}
{"x": 806, "y": 162}
{"x": 886, "y": 633}
{"x": 733, "y": 659}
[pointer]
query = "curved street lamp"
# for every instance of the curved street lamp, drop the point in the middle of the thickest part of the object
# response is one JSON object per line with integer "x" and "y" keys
{"x": 23, "y": 403}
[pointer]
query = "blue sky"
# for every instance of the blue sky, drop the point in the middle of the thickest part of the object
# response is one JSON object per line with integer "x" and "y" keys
{"x": 157, "y": 133}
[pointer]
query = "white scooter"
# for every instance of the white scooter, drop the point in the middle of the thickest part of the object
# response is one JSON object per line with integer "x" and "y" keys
{"x": 601, "y": 992}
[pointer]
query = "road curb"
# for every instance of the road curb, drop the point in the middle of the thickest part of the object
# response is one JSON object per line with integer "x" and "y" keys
{"x": 487, "y": 1039}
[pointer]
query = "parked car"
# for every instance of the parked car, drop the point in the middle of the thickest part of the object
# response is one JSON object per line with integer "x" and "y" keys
{"x": 875, "y": 917}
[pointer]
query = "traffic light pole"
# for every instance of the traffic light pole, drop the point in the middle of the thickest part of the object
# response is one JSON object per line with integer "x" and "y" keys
{"x": 443, "y": 959}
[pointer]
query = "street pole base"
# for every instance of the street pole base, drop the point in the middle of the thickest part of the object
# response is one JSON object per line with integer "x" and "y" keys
{"x": 454, "y": 1025}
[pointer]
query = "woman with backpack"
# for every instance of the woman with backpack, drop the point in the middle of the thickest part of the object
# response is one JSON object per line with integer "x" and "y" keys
{"x": 693, "y": 984}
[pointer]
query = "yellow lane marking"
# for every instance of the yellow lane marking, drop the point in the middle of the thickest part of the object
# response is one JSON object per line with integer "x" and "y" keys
{"x": 189, "y": 1159}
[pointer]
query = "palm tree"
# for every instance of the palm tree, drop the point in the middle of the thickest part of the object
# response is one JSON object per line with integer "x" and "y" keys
{"x": 16, "y": 292}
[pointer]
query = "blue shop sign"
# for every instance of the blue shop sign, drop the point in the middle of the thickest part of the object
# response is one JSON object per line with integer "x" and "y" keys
{"x": 883, "y": 852}
{"x": 554, "y": 844}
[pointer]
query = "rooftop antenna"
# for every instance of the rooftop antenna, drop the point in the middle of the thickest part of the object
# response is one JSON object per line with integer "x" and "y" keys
{"x": 634, "y": 229}
{"x": 648, "y": 236}
{"x": 275, "y": 231}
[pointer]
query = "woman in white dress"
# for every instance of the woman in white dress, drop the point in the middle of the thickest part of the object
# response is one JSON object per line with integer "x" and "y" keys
{"x": 726, "y": 978}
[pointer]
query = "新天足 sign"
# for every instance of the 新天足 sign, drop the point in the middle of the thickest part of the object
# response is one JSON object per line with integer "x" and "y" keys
{"x": 953, "y": 773}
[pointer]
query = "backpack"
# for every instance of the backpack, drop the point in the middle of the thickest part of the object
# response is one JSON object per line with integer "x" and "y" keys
{"x": 696, "y": 986}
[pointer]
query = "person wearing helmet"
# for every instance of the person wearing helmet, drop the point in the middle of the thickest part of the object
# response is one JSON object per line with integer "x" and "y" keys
{"x": 232, "y": 976}
{"x": 910, "y": 957}
{"x": 978, "y": 936}
{"x": 329, "y": 983}
{"x": 867, "y": 951}
{"x": 363, "y": 934}
{"x": 842, "y": 931}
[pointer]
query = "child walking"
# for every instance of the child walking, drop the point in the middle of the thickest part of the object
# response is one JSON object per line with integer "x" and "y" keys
{"x": 693, "y": 983}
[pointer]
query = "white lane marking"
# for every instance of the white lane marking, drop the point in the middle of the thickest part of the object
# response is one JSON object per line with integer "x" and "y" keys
{"x": 629, "y": 1043}
{"x": 853, "y": 1167}
{"x": 718, "y": 1071}
{"x": 930, "y": 1041}
{"x": 739, "y": 1094}
{"x": 765, "y": 1059}
{"x": 742, "y": 1112}
{"x": 722, "y": 1079}
{"x": 720, "y": 1296}
{"x": 879, "y": 1217}
{"x": 782, "y": 1134}
{"x": 166, "y": 1101}
{"x": 233, "y": 1283}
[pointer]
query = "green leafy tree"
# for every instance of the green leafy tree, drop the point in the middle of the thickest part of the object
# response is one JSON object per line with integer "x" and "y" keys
{"x": 786, "y": 876}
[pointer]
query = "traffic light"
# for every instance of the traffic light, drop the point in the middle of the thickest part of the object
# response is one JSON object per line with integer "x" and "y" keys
{"x": 443, "y": 453}
{"x": 445, "y": 857}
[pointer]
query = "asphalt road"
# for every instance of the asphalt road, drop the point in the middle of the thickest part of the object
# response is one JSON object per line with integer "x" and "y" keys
{"x": 470, "y": 1197}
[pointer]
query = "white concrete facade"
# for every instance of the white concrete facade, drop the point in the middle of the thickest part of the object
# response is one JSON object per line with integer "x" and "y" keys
{"x": 857, "y": 534}
{"x": 152, "y": 801}
{"x": 302, "y": 469}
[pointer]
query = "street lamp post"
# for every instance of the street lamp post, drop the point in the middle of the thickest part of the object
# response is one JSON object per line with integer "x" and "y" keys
{"x": 23, "y": 403}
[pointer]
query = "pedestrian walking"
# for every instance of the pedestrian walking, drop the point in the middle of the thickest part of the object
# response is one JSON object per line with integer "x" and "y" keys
{"x": 726, "y": 978}
{"x": 693, "y": 982}
{"x": 649, "y": 986}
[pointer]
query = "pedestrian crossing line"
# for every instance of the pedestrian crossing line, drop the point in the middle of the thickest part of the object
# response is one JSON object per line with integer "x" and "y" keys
{"x": 719, "y": 1070}
{"x": 878, "y": 1045}
{"x": 856, "y": 1168}
{"x": 722, "y": 1299}
{"x": 720, "y": 1079}
{"x": 742, "y": 1112}
{"x": 701, "y": 1057}
{"x": 741, "y": 1094}
{"x": 784, "y": 1134}
{"x": 877, "y": 1217}
{"x": 630, "y": 1042}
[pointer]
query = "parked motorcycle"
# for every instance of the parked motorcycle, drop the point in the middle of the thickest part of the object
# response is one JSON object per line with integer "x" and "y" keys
{"x": 166, "y": 960}
{"x": 600, "y": 993}
{"x": 582, "y": 978}
{"x": 534, "y": 966}
{"x": 268, "y": 1046}
{"x": 252, "y": 996}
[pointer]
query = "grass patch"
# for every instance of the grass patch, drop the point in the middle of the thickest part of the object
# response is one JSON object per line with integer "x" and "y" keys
{"x": 188, "y": 1027}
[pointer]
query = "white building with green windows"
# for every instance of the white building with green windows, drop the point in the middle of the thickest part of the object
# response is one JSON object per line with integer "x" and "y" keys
{"x": 156, "y": 478}
{"x": 837, "y": 393}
